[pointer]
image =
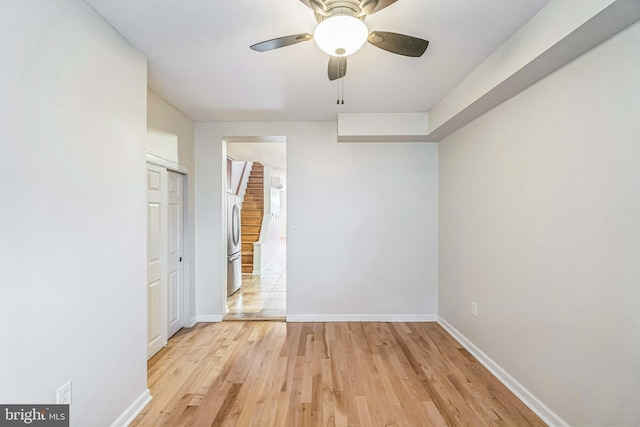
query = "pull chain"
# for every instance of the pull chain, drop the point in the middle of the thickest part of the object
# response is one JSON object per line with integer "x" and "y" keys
{"x": 338, "y": 86}
{"x": 340, "y": 81}
{"x": 342, "y": 91}
{"x": 342, "y": 73}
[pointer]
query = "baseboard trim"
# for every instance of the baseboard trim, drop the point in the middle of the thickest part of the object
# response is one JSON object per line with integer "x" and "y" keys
{"x": 209, "y": 318}
{"x": 361, "y": 318}
{"x": 548, "y": 416}
{"x": 133, "y": 410}
{"x": 191, "y": 322}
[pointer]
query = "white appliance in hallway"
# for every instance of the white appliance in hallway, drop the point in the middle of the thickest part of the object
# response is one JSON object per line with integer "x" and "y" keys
{"x": 234, "y": 246}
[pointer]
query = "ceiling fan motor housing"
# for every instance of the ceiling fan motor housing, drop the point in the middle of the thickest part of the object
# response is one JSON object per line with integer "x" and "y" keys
{"x": 343, "y": 7}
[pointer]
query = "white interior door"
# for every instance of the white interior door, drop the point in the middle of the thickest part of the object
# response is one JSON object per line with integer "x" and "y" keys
{"x": 175, "y": 270}
{"x": 156, "y": 260}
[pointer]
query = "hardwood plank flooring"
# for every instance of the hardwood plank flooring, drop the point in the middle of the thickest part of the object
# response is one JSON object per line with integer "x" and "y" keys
{"x": 259, "y": 373}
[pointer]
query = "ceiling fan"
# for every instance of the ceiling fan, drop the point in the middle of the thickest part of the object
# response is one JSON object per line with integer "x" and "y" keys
{"x": 341, "y": 31}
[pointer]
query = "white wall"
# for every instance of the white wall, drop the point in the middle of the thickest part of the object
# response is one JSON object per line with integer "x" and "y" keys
{"x": 366, "y": 242}
{"x": 539, "y": 223}
{"x": 170, "y": 136}
{"x": 283, "y": 213}
{"x": 237, "y": 169}
{"x": 72, "y": 126}
{"x": 269, "y": 247}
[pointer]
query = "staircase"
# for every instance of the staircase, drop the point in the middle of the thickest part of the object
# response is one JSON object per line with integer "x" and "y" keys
{"x": 252, "y": 212}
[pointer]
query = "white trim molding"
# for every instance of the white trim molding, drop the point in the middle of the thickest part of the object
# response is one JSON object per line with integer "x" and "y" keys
{"x": 208, "y": 318}
{"x": 361, "y": 317}
{"x": 133, "y": 410}
{"x": 548, "y": 416}
{"x": 159, "y": 161}
{"x": 191, "y": 323}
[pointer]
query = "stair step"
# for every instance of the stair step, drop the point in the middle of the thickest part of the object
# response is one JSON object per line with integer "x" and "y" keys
{"x": 255, "y": 191}
{"x": 251, "y": 220}
{"x": 252, "y": 213}
{"x": 250, "y": 229}
{"x": 247, "y": 269}
{"x": 250, "y": 237}
{"x": 246, "y": 246}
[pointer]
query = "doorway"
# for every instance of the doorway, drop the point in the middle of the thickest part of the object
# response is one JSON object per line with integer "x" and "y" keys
{"x": 256, "y": 176}
{"x": 262, "y": 296}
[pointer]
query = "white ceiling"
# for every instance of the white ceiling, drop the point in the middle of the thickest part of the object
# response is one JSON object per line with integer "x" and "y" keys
{"x": 272, "y": 154}
{"x": 200, "y": 61}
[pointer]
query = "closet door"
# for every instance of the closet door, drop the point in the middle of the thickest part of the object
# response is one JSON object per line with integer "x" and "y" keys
{"x": 175, "y": 275}
{"x": 156, "y": 259}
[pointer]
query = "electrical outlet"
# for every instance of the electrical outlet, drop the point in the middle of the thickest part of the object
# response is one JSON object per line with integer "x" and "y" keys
{"x": 63, "y": 396}
{"x": 474, "y": 308}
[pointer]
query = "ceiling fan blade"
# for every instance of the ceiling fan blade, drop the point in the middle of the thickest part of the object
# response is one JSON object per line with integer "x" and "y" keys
{"x": 337, "y": 67}
{"x": 398, "y": 43}
{"x": 381, "y": 4}
{"x": 281, "y": 42}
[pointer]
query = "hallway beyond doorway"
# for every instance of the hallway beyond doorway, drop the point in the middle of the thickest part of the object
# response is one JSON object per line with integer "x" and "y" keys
{"x": 263, "y": 296}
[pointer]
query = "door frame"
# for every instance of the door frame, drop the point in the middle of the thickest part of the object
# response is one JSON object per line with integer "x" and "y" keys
{"x": 189, "y": 318}
{"x": 274, "y": 138}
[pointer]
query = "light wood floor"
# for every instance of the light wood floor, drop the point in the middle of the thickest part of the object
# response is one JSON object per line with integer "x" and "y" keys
{"x": 324, "y": 374}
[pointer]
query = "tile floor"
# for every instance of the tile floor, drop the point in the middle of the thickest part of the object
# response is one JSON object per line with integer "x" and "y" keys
{"x": 262, "y": 296}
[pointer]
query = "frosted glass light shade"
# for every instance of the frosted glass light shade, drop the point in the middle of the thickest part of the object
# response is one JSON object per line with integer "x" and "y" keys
{"x": 341, "y": 35}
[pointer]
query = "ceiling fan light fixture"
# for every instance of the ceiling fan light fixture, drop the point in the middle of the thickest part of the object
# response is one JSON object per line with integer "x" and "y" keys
{"x": 341, "y": 35}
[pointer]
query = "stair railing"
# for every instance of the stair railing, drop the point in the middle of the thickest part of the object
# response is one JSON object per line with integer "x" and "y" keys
{"x": 241, "y": 190}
